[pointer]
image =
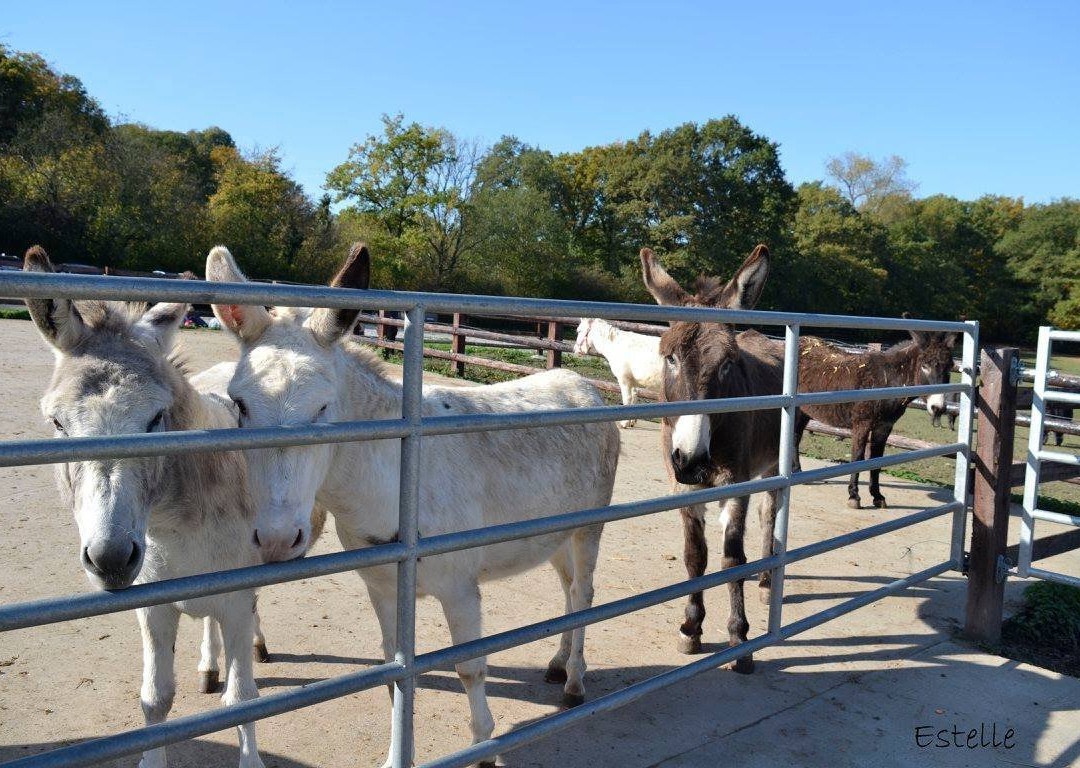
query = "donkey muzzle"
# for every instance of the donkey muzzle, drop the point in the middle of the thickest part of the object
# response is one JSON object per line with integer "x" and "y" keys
{"x": 279, "y": 544}
{"x": 690, "y": 469}
{"x": 113, "y": 563}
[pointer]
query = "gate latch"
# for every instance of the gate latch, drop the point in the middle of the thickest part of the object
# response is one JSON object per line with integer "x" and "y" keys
{"x": 1001, "y": 570}
{"x": 1016, "y": 371}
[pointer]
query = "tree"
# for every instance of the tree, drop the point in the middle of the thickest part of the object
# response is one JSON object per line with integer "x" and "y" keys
{"x": 868, "y": 184}
{"x": 259, "y": 212}
{"x": 420, "y": 185}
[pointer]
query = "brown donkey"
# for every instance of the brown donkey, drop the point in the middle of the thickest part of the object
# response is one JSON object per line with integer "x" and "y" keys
{"x": 706, "y": 361}
{"x": 823, "y": 367}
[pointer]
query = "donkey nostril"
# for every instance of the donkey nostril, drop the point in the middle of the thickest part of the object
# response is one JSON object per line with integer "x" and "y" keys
{"x": 299, "y": 538}
{"x": 677, "y": 456}
{"x": 256, "y": 537}
{"x": 134, "y": 558}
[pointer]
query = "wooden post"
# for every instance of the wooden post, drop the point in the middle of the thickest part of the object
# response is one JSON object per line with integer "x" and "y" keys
{"x": 996, "y": 403}
{"x": 381, "y": 328}
{"x": 457, "y": 344}
{"x": 554, "y": 333}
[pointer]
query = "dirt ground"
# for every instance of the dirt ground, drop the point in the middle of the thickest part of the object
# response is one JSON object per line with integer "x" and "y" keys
{"x": 851, "y": 692}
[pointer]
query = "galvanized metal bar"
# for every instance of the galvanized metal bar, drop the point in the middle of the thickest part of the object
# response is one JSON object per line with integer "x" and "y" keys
{"x": 42, "y": 285}
{"x": 60, "y": 450}
{"x": 95, "y": 751}
{"x": 787, "y": 455}
{"x": 478, "y": 537}
{"x": 1057, "y": 457}
{"x": 555, "y": 723}
{"x": 1055, "y": 517}
{"x": 1035, "y": 433}
{"x": 819, "y": 618}
{"x": 54, "y": 609}
{"x": 521, "y": 635}
{"x": 558, "y": 722}
{"x": 401, "y": 734}
{"x": 1060, "y": 578}
{"x": 964, "y": 431}
{"x": 1057, "y": 396}
{"x": 15, "y": 453}
{"x": 1056, "y": 335}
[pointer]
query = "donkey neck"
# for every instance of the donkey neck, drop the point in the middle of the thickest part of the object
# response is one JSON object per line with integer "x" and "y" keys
{"x": 603, "y": 336}
{"x": 901, "y": 364}
{"x": 366, "y": 391}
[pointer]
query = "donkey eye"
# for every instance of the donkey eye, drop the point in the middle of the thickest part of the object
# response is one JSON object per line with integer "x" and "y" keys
{"x": 155, "y": 422}
{"x": 240, "y": 406}
{"x": 670, "y": 360}
{"x": 320, "y": 414}
{"x": 59, "y": 426}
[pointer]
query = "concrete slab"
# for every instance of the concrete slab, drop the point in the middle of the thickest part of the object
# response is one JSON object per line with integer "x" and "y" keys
{"x": 812, "y": 700}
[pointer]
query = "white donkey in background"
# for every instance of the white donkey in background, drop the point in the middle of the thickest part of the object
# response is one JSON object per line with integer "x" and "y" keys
{"x": 299, "y": 366}
{"x": 634, "y": 358}
{"x": 156, "y": 517}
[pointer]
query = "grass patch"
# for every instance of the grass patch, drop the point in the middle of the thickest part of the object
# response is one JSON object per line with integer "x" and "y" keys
{"x": 1046, "y": 631}
{"x": 14, "y": 314}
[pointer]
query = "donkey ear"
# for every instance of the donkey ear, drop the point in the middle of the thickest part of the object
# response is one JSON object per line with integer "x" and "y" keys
{"x": 919, "y": 337}
{"x": 245, "y": 322}
{"x": 160, "y": 323}
{"x": 58, "y": 320}
{"x": 659, "y": 283}
{"x": 744, "y": 290}
{"x": 328, "y": 324}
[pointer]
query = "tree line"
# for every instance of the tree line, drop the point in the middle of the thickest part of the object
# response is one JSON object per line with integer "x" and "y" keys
{"x": 443, "y": 213}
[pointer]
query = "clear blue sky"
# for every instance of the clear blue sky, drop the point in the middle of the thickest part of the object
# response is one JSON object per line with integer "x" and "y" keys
{"x": 980, "y": 97}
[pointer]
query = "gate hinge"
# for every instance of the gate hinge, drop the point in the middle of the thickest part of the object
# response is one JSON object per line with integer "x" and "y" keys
{"x": 1016, "y": 371}
{"x": 1001, "y": 570}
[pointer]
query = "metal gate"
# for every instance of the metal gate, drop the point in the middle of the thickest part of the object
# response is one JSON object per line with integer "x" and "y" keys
{"x": 1036, "y": 456}
{"x": 411, "y": 428}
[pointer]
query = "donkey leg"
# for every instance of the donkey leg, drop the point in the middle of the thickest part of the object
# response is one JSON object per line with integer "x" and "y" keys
{"x": 383, "y": 594}
{"x": 859, "y": 435}
{"x": 801, "y": 420}
{"x": 158, "y": 624}
{"x": 209, "y": 653}
{"x": 767, "y": 518}
{"x": 237, "y": 629}
{"x": 877, "y": 448}
{"x": 695, "y": 558}
{"x": 561, "y": 561}
{"x": 258, "y": 642}
{"x": 627, "y": 399}
{"x": 462, "y": 609}
{"x": 733, "y": 519}
{"x": 585, "y": 547}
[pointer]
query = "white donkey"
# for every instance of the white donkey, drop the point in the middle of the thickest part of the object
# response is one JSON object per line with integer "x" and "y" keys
{"x": 634, "y": 357}
{"x": 152, "y": 518}
{"x": 298, "y": 366}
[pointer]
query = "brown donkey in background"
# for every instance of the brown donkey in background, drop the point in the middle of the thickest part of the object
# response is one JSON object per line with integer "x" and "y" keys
{"x": 823, "y": 367}
{"x": 706, "y": 361}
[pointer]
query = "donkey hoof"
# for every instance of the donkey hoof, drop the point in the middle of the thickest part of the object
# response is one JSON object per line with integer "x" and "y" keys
{"x": 743, "y": 665}
{"x": 571, "y": 700}
{"x": 853, "y": 504}
{"x": 879, "y": 502}
{"x": 261, "y": 654}
{"x": 626, "y": 424}
{"x": 486, "y": 764}
{"x": 689, "y": 645}
{"x": 208, "y": 681}
{"x": 555, "y": 674}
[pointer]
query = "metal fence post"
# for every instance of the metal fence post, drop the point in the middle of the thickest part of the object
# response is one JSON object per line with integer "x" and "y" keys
{"x": 990, "y": 512}
{"x": 787, "y": 459}
{"x": 401, "y": 738}
{"x": 968, "y": 375}
{"x": 554, "y": 333}
{"x": 457, "y": 345}
{"x": 1031, "y": 480}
